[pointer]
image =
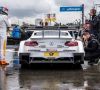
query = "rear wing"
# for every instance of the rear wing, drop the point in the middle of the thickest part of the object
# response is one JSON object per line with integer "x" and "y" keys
{"x": 72, "y": 28}
{"x": 42, "y": 33}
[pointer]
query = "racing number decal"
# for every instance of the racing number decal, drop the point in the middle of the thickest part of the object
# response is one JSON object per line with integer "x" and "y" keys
{"x": 51, "y": 53}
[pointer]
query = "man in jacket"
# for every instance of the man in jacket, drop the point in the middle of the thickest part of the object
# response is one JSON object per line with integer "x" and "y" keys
{"x": 91, "y": 48}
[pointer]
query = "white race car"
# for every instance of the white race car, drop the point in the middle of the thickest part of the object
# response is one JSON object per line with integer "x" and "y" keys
{"x": 51, "y": 46}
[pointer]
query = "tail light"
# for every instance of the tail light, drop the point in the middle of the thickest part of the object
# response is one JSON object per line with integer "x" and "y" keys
{"x": 71, "y": 43}
{"x": 31, "y": 43}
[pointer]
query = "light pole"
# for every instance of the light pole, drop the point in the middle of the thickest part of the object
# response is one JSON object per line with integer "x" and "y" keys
{"x": 82, "y": 14}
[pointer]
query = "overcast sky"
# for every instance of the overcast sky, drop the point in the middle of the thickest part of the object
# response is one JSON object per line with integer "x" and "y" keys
{"x": 37, "y": 8}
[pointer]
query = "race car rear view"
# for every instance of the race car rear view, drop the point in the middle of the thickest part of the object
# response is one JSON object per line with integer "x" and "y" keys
{"x": 51, "y": 46}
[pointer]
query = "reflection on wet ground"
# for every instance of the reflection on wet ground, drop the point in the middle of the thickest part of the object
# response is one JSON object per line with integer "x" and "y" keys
{"x": 55, "y": 79}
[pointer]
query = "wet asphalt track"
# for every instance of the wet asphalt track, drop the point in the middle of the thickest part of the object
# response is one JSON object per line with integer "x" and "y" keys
{"x": 54, "y": 77}
{"x": 58, "y": 77}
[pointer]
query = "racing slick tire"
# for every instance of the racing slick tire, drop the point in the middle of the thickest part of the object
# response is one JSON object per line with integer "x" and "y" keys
{"x": 24, "y": 59}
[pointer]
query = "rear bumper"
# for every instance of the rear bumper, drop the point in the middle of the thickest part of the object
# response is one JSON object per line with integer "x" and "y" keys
{"x": 61, "y": 54}
{"x": 65, "y": 58}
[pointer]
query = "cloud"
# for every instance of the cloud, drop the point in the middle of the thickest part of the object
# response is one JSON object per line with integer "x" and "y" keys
{"x": 88, "y": 4}
{"x": 34, "y": 8}
{"x": 68, "y": 2}
{"x": 22, "y": 8}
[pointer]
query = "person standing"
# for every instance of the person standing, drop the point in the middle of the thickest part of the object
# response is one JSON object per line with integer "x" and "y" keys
{"x": 16, "y": 33}
{"x": 4, "y": 25}
{"x": 95, "y": 22}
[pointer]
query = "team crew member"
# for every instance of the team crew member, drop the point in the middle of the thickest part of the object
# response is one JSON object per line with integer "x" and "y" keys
{"x": 3, "y": 37}
{"x": 91, "y": 47}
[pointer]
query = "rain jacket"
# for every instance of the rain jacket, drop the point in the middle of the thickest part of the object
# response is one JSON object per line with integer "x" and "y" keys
{"x": 16, "y": 33}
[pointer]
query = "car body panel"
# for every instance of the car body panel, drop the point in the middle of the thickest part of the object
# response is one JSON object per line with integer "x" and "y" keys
{"x": 52, "y": 47}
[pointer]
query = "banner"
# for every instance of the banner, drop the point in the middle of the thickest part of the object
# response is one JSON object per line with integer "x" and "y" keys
{"x": 50, "y": 17}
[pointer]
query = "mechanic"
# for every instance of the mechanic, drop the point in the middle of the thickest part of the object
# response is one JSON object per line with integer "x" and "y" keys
{"x": 91, "y": 48}
{"x": 4, "y": 26}
{"x": 16, "y": 33}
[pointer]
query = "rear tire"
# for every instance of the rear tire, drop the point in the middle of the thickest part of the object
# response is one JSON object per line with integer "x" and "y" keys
{"x": 24, "y": 60}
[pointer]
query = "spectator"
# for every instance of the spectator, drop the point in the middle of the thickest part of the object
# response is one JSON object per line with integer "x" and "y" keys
{"x": 91, "y": 48}
{"x": 89, "y": 27}
{"x": 92, "y": 13}
{"x": 86, "y": 27}
{"x": 95, "y": 23}
{"x": 46, "y": 23}
{"x": 91, "y": 30}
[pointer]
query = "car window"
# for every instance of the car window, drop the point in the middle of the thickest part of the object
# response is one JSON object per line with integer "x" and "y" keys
{"x": 37, "y": 34}
{"x": 65, "y": 34}
{"x": 51, "y": 33}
